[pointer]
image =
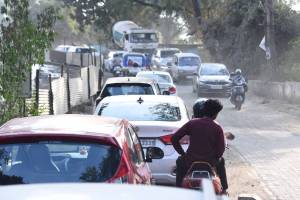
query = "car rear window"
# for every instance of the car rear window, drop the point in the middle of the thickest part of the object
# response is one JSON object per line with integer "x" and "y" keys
{"x": 168, "y": 54}
{"x": 57, "y": 161}
{"x": 189, "y": 61}
{"x": 127, "y": 89}
{"x": 160, "y": 78}
{"x": 136, "y": 111}
{"x": 214, "y": 70}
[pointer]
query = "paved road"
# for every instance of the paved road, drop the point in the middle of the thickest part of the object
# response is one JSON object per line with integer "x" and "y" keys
{"x": 267, "y": 137}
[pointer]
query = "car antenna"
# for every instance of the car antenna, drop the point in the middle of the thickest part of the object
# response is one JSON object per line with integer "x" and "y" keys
{"x": 140, "y": 100}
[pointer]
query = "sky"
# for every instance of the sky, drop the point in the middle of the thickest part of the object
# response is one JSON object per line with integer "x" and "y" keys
{"x": 296, "y": 7}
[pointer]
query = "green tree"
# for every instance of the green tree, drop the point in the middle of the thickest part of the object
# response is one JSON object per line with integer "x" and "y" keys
{"x": 22, "y": 43}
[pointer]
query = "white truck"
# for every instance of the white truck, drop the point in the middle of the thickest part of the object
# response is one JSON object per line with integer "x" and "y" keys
{"x": 133, "y": 38}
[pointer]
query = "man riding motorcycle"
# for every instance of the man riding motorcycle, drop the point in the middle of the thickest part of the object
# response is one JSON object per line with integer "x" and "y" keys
{"x": 207, "y": 141}
{"x": 237, "y": 76}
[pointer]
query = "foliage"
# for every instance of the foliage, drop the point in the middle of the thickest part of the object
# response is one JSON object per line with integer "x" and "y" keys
{"x": 22, "y": 44}
{"x": 231, "y": 30}
{"x": 291, "y": 62}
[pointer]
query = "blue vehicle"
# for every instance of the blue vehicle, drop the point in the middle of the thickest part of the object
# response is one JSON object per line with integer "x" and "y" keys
{"x": 134, "y": 63}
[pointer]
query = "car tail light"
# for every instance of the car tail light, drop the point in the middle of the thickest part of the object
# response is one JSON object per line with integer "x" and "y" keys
{"x": 122, "y": 173}
{"x": 172, "y": 90}
{"x": 166, "y": 139}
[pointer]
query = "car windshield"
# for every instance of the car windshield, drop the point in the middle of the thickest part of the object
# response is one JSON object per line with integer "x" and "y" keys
{"x": 214, "y": 70}
{"x": 168, "y": 54}
{"x": 57, "y": 161}
{"x": 127, "y": 89}
{"x": 189, "y": 61}
{"x": 159, "y": 78}
{"x": 142, "y": 111}
{"x": 143, "y": 37}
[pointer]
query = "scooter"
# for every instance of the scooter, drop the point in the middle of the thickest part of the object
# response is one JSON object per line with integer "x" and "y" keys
{"x": 199, "y": 171}
{"x": 117, "y": 70}
{"x": 202, "y": 170}
{"x": 238, "y": 92}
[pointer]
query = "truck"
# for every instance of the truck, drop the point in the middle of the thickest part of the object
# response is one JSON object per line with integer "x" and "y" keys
{"x": 130, "y": 37}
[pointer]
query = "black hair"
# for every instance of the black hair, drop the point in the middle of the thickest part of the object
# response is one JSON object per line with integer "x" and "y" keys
{"x": 198, "y": 108}
{"x": 212, "y": 107}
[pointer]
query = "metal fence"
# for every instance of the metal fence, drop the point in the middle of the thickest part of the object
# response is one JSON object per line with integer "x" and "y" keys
{"x": 57, "y": 95}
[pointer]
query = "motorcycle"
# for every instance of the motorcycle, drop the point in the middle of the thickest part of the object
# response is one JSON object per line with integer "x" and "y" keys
{"x": 238, "y": 92}
{"x": 117, "y": 71}
{"x": 202, "y": 170}
{"x": 199, "y": 171}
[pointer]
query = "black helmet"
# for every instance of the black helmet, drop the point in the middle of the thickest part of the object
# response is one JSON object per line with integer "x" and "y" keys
{"x": 198, "y": 108}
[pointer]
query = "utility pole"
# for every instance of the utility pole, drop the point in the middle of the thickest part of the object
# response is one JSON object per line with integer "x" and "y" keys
{"x": 270, "y": 40}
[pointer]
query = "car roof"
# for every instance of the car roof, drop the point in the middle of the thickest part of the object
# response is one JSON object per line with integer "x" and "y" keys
{"x": 129, "y": 80}
{"x": 213, "y": 64}
{"x": 63, "y": 125}
{"x": 167, "y": 49}
{"x": 154, "y": 72}
{"x": 92, "y": 191}
{"x": 186, "y": 55}
{"x": 134, "y": 53}
{"x": 147, "y": 98}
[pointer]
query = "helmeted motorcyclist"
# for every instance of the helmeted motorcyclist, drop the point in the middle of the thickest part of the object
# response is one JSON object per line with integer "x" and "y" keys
{"x": 237, "y": 77}
{"x": 207, "y": 141}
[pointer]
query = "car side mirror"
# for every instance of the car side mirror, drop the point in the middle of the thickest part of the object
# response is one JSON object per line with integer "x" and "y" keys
{"x": 153, "y": 153}
{"x": 166, "y": 93}
{"x": 229, "y": 136}
{"x": 176, "y": 63}
{"x": 98, "y": 101}
{"x": 195, "y": 74}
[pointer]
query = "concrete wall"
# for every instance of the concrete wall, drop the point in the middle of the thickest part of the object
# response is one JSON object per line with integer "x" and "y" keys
{"x": 288, "y": 91}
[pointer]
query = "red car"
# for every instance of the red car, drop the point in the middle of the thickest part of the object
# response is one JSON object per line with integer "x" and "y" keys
{"x": 72, "y": 148}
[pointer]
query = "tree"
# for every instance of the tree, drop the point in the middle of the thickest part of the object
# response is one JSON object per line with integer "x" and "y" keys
{"x": 23, "y": 41}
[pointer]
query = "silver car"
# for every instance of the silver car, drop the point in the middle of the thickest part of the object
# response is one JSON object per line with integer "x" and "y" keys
{"x": 162, "y": 56}
{"x": 183, "y": 65}
{"x": 155, "y": 118}
{"x": 163, "y": 79}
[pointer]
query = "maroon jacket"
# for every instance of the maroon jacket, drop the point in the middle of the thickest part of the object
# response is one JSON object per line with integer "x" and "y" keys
{"x": 207, "y": 141}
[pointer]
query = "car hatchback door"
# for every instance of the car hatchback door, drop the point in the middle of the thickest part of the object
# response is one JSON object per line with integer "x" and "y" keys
{"x": 140, "y": 167}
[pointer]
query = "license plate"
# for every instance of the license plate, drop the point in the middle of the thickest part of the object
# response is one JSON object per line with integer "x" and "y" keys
{"x": 148, "y": 142}
{"x": 216, "y": 87}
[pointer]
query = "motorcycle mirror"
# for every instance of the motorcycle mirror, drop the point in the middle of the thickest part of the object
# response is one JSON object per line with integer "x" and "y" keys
{"x": 229, "y": 136}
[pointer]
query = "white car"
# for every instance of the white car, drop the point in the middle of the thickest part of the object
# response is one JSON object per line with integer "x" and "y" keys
{"x": 164, "y": 80}
{"x": 156, "y": 118}
{"x": 183, "y": 65}
{"x": 128, "y": 86}
{"x": 162, "y": 56}
{"x": 93, "y": 191}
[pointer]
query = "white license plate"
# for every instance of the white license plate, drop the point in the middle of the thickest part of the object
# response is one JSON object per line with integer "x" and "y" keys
{"x": 216, "y": 87}
{"x": 148, "y": 142}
